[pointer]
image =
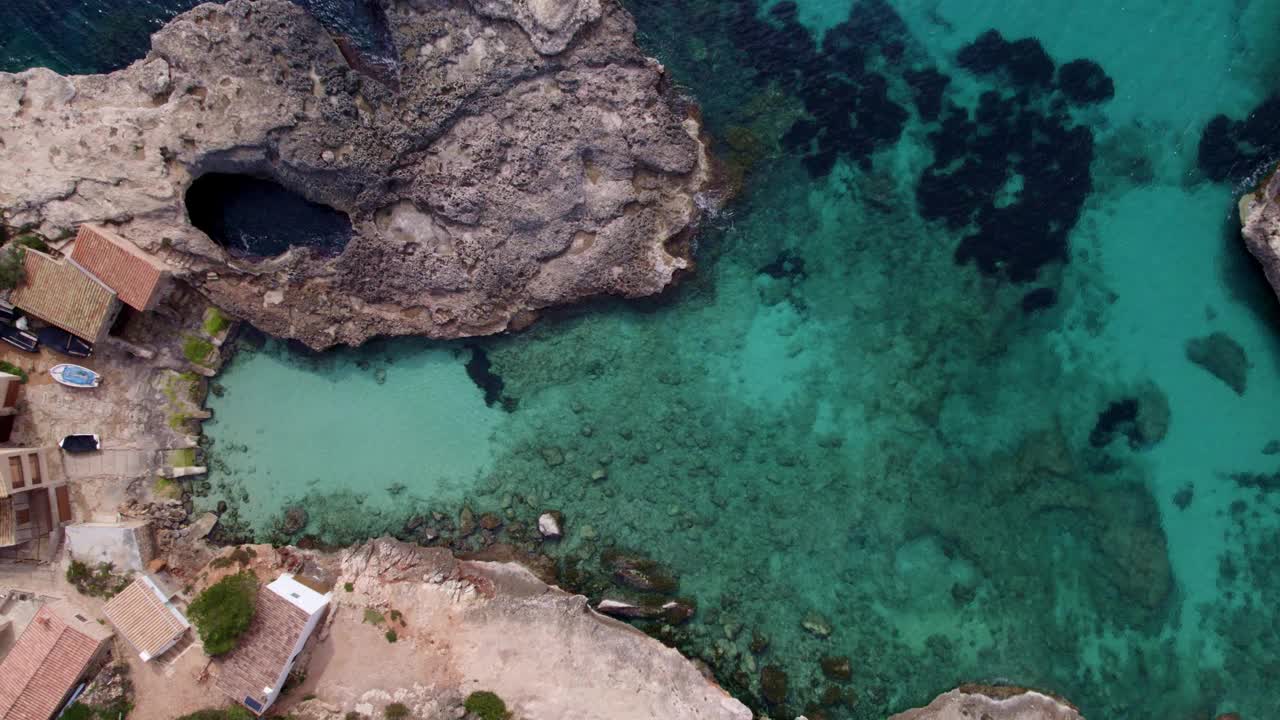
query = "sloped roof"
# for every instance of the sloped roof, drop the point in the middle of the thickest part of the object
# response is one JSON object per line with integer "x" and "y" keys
{"x": 8, "y": 529}
{"x": 134, "y": 275}
{"x": 264, "y": 651}
{"x": 143, "y": 616}
{"x": 46, "y": 662}
{"x": 62, "y": 294}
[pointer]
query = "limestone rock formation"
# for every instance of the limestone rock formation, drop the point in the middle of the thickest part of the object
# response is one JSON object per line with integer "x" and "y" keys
{"x": 1260, "y": 216}
{"x": 520, "y": 154}
{"x": 993, "y": 703}
{"x": 469, "y": 625}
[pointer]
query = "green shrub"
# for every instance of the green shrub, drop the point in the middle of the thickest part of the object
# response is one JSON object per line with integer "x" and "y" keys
{"x": 391, "y": 636}
{"x": 486, "y": 706}
{"x": 11, "y": 268}
{"x": 99, "y": 582}
{"x": 35, "y": 242}
{"x": 197, "y": 350}
{"x": 373, "y": 617}
{"x": 353, "y": 715}
{"x": 349, "y": 587}
{"x": 223, "y": 612}
{"x": 12, "y": 369}
{"x": 77, "y": 711}
{"x": 215, "y": 321}
{"x": 396, "y": 711}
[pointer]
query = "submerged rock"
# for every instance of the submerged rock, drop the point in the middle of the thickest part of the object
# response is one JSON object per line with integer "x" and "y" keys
{"x": 630, "y": 611}
{"x": 639, "y": 573}
{"x": 816, "y": 624}
{"x": 773, "y": 684}
{"x": 839, "y": 668}
{"x": 295, "y": 519}
{"x": 1223, "y": 357}
{"x": 521, "y": 154}
{"x": 551, "y": 525}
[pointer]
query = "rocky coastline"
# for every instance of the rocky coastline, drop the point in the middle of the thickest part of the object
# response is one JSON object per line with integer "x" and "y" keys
{"x": 474, "y": 206}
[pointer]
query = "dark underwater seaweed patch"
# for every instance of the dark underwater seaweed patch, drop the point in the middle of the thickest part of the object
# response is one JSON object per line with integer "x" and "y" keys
{"x": 1231, "y": 150}
{"x": 851, "y": 112}
{"x": 1024, "y": 62}
{"x": 479, "y": 369}
{"x": 1015, "y": 169}
{"x": 1120, "y": 417}
{"x": 1084, "y": 82}
{"x": 1039, "y": 299}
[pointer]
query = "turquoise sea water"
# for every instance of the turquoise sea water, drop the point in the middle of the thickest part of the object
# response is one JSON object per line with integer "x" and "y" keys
{"x": 835, "y": 419}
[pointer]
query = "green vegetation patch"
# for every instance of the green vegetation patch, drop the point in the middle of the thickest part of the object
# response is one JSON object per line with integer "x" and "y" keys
{"x": 215, "y": 321}
{"x": 12, "y": 369}
{"x": 349, "y": 587}
{"x": 396, "y": 711}
{"x": 197, "y": 350}
{"x": 486, "y": 706}
{"x": 223, "y": 612}
{"x": 166, "y": 488}
{"x": 391, "y": 636}
{"x": 184, "y": 457}
{"x": 373, "y": 617}
{"x": 100, "y": 581}
{"x": 33, "y": 241}
{"x": 11, "y": 268}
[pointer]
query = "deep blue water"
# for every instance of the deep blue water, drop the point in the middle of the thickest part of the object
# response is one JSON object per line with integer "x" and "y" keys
{"x": 932, "y": 384}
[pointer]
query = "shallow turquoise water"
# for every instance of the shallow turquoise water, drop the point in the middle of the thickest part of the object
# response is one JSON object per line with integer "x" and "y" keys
{"x": 881, "y": 436}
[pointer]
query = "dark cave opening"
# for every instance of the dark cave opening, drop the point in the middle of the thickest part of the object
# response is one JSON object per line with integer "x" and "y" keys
{"x": 257, "y": 218}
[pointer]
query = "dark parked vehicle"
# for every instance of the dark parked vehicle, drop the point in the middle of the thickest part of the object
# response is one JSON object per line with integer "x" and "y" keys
{"x": 80, "y": 444}
{"x": 20, "y": 339}
{"x": 63, "y": 342}
{"x": 8, "y": 313}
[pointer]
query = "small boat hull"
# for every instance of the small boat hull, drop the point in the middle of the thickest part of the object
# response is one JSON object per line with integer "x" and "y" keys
{"x": 75, "y": 376}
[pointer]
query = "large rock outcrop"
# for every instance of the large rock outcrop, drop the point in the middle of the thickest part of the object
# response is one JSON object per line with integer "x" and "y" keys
{"x": 993, "y": 703}
{"x": 1260, "y": 216}
{"x": 463, "y": 626}
{"x": 519, "y": 154}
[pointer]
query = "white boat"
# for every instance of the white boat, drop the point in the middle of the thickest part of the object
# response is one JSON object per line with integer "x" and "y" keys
{"x": 75, "y": 376}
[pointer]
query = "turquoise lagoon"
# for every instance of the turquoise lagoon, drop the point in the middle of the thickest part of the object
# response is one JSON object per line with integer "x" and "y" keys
{"x": 834, "y": 418}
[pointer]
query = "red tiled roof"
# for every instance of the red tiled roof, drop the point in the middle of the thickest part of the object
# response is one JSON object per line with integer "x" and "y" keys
{"x": 135, "y": 276}
{"x": 62, "y": 294}
{"x": 43, "y": 666}
{"x": 264, "y": 651}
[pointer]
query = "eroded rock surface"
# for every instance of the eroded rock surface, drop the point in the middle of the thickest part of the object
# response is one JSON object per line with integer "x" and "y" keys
{"x": 1260, "y": 216}
{"x": 463, "y": 626}
{"x": 993, "y": 703}
{"x": 523, "y": 154}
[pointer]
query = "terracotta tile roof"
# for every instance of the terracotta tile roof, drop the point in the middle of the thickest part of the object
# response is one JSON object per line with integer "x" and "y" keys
{"x": 133, "y": 274}
{"x": 62, "y": 294}
{"x": 143, "y": 617}
{"x": 265, "y": 649}
{"x": 45, "y": 663}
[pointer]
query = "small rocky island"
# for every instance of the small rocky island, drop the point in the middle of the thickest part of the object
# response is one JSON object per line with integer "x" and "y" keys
{"x": 503, "y": 157}
{"x": 1260, "y": 216}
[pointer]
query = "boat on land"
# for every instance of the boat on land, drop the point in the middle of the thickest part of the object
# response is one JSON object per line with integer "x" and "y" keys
{"x": 83, "y": 443}
{"x": 75, "y": 376}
